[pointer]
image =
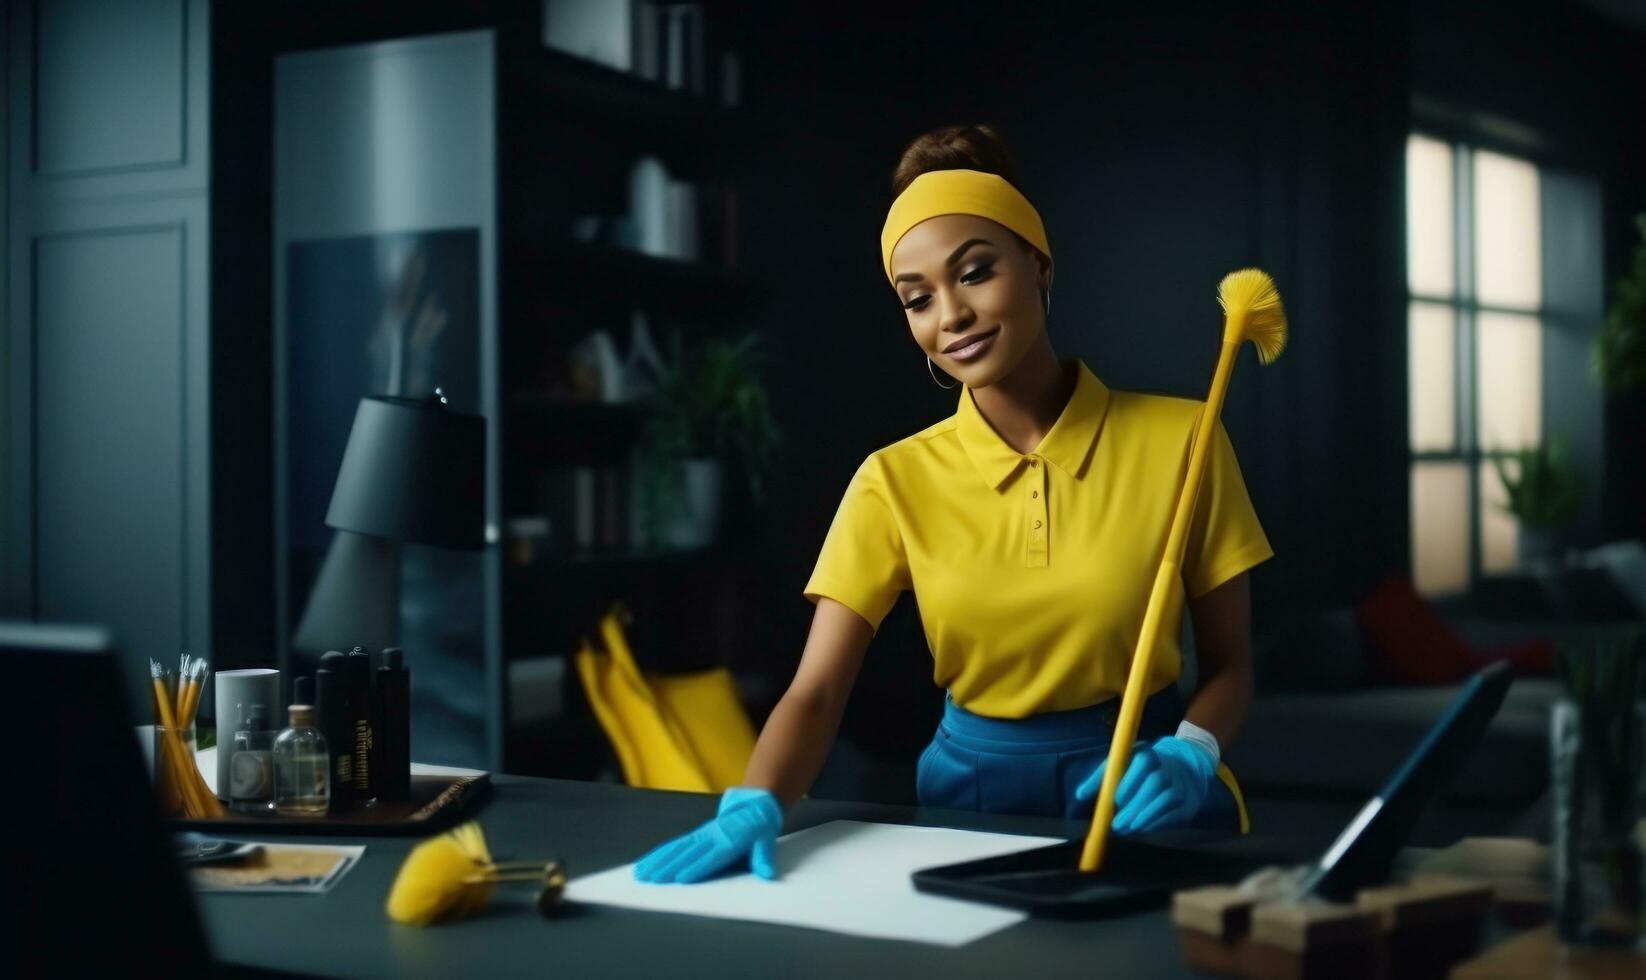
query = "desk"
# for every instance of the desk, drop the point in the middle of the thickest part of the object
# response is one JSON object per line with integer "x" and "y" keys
{"x": 595, "y": 826}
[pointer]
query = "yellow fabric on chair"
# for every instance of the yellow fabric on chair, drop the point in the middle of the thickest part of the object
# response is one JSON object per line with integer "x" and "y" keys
{"x": 670, "y": 731}
{"x": 716, "y": 726}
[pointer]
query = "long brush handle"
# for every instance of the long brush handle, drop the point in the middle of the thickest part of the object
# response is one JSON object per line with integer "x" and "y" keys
{"x": 1131, "y": 703}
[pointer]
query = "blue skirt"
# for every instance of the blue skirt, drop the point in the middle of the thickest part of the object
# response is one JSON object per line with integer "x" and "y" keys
{"x": 1032, "y": 765}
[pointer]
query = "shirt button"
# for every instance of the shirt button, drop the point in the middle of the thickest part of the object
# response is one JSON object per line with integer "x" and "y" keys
{"x": 1033, "y": 461}
{"x": 1036, "y": 523}
{"x": 1034, "y": 493}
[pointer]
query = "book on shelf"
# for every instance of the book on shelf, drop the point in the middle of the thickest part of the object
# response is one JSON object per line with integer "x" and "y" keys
{"x": 587, "y": 508}
{"x": 660, "y": 42}
{"x": 682, "y": 219}
{"x": 669, "y": 45}
{"x": 599, "y": 30}
{"x": 717, "y": 225}
{"x": 681, "y": 223}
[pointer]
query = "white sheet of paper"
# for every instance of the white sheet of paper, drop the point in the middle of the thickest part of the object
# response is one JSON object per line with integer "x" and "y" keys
{"x": 843, "y": 876}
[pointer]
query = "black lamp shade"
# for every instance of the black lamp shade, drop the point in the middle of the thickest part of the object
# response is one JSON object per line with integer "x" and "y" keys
{"x": 414, "y": 471}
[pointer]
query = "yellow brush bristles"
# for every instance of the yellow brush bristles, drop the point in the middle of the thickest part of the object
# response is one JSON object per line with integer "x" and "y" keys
{"x": 1252, "y": 311}
{"x": 436, "y": 882}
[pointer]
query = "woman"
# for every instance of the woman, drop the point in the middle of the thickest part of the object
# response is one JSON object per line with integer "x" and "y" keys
{"x": 1030, "y": 525}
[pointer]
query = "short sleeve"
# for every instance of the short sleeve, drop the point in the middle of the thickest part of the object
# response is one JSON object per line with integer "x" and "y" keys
{"x": 1225, "y": 537}
{"x": 863, "y": 564}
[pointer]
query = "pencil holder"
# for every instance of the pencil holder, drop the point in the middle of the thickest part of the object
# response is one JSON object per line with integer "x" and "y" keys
{"x": 173, "y": 761}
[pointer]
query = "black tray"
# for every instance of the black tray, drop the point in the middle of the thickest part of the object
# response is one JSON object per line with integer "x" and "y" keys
{"x": 436, "y": 802}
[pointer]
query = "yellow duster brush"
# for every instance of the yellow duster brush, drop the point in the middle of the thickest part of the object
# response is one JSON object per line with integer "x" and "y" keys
{"x": 1251, "y": 311}
{"x": 452, "y": 877}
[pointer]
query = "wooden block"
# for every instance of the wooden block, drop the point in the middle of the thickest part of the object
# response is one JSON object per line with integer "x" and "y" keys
{"x": 1491, "y": 857}
{"x": 1312, "y": 923}
{"x": 1344, "y": 961}
{"x": 1523, "y": 910}
{"x": 1311, "y": 939}
{"x": 1220, "y": 911}
{"x": 1206, "y": 953}
{"x": 1539, "y": 954}
{"x": 1517, "y": 868}
{"x": 1427, "y": 898}
{"x": 1429, "y": 923}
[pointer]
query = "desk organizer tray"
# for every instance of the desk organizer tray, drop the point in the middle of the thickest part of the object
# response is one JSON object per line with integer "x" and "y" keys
{"x": 437, "y": 802}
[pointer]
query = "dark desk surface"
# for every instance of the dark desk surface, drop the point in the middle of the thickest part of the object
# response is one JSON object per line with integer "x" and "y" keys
{"x": 595, "y": 826}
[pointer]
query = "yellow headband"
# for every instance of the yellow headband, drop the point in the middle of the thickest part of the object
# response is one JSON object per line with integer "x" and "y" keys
{"x": 938, "y": 192}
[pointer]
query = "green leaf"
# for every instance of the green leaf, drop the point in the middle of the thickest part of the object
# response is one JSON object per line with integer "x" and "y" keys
{"x": 1618, "y": 358}
{"x": 713, "y": 402}
{"x": 1547, "y": 490}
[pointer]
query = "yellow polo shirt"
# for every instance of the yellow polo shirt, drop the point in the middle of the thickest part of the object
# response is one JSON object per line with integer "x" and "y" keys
{"x": 1031, "y": 571}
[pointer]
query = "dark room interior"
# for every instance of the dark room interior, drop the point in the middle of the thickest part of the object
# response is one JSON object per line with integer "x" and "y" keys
{"x": 546, "y": 342}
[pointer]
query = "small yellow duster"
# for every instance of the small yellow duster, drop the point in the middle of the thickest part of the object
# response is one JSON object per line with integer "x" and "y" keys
{"x": 444, "y": 878}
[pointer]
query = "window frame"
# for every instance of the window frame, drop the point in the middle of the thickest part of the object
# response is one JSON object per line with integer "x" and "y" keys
{"x": 1466, "y": 308}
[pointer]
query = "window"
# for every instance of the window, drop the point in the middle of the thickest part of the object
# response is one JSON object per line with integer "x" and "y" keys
{"x": 1475, "y": 342}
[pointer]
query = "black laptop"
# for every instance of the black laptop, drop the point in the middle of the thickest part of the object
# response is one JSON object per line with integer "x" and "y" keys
{"x": 1141, "y": 874}
{"x": 104, "y": 893}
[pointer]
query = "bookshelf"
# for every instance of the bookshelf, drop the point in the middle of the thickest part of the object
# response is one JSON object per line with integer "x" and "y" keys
{"x": 564, "y": 135}
{"x": 569, "y": 131}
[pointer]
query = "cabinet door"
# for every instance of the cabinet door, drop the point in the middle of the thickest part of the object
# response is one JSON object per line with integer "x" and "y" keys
{"x": 108, "y": 476}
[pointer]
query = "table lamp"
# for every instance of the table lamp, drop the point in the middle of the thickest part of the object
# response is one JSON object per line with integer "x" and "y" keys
{"x": 413, "y": 471}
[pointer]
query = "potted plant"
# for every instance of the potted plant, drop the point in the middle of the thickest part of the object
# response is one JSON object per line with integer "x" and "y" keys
{"x": 710, "y": 410}
{"x": 1542, "y": 496}
{"x": 1619, "y": 354}
{"x": 1597, "y": 753}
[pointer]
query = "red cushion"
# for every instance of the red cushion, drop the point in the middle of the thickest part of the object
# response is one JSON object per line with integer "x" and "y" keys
{"x": 1408, "y": 643}
{"x": 1530, "y": 658}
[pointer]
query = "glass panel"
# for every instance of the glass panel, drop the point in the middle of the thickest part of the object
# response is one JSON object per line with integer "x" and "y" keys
{"x": 1431, "y": 372}
{"x": 1507, "y": 267}
{"x": 1429, "y": 219}
{"x": 1499, "y": 531}
{"x": 1440, "y": 527}
{"x": 396, "y": 313}
{"x": 1508, "y": 380}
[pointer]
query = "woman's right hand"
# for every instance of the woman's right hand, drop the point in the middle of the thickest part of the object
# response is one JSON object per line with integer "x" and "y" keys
{"x": 746, "y": 826}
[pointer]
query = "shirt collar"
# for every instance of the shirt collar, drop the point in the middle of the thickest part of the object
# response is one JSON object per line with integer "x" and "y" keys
{"x": 1065, "y": 444}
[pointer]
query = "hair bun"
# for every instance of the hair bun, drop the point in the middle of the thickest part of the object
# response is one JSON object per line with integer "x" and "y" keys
{"x": 973, "y": 147}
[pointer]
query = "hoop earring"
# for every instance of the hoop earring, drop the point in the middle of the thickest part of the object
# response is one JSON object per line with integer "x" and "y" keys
{"x": 933, "y": 372}
{"x": 1048, "y": 301}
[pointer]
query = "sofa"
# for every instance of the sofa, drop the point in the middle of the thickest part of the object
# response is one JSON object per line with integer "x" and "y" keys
{"x": 1328, "y": 726}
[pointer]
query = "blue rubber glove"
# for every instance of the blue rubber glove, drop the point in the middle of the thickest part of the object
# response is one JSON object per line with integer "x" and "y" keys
{"x": 1164, "y": 785}
{"x": 746, "y": 826}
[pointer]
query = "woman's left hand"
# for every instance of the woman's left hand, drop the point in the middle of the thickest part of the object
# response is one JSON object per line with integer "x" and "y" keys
{"x": 1163, "y": 786}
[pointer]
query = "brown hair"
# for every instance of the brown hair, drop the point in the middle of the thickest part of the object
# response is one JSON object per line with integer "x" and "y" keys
{"x": 977, "y": 147}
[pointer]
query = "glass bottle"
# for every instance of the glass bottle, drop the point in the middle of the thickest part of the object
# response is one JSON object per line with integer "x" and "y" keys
{"x": 302, "y": 767}
{"x": 251, "y": 769}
